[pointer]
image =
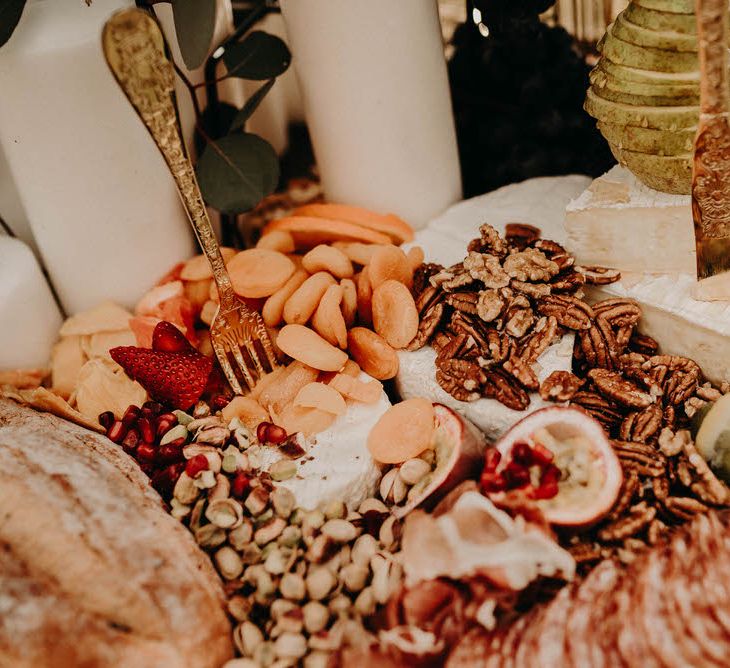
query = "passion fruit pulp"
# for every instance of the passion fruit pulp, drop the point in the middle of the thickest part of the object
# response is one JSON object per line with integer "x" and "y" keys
{"x": 561, "y": 458}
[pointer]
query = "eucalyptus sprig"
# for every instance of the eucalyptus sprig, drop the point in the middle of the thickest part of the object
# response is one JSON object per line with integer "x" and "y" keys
{"x": 236, "y": 169}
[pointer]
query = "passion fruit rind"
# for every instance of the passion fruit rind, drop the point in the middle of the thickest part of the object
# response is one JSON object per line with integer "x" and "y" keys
{"x": 563, "y": 460}
{"x": 711, "y": 429}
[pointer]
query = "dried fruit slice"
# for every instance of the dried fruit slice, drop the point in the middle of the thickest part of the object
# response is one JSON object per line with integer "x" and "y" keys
{"x": 277, "y": 240}
{"x": 352, "y": 388}
{"x": 459, "y": 448}
{"x": 357, "y": 252}
{"x": 258, "y": 272}
{"x": 396, "y": 228}
{"x": 99, "y": 344}
{"x": 107, "y": 317}
{"x": 151, "y": 301}
{"x": 268, "y": 381}
{"x": 321, "y": 396}
{"x": 305, "y": 345}
{"x": 198, "y": 268}
{"x": 247, "y": 410}
{"x": 309, "y": 232}
{"x": 404, "y": 431}
{"x": 569, "y": 454}
{"x": 328, "y": 258}
{"x": 66, "y": 362}
{"x": 280, "y": 392}
{"x": 307, "y": 421}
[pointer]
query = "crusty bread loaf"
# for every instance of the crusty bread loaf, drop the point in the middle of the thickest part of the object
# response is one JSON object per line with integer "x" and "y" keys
{"x": 93, "y": 572}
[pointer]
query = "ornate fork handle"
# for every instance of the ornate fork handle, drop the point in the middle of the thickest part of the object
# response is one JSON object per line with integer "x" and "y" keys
{"x": 135, "y": 51}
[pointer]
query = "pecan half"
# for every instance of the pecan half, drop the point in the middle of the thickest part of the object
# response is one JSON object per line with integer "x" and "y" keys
{"x": 543, "y": 334}
{"x": 489, "y": 242}
{"x": 639, "y": 516}
{"x": 643, "y": 425}
{"x": 463, "y": 301}
{"x": 461, "y": 379}
{"x": 643, "y": 344}
{"x": 595, "y": 275}
{"x": 622, "y": 391}
{"x": 427, "y": 297}
{"x": 518, "y": 321}
{"x": 521, "y": 235}
{"x": 523, "y": 372}
{"x": 534, "y": 290}
{"x": 568, "y": 282}
{"x": 619, "y": 312}
{"x": 684, "y": 507}
{"x": 422, "y": 275}
{"x": 569, "y": 311}
{"x": 504, "y": 388}
{"x": 452, "y": 278}
{"x": 430, "y": 322}
{"x": 629, "y": 488}
{"x": 560, "y": 386}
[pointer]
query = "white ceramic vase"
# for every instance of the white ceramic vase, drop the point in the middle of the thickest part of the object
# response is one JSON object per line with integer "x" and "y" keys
{"x": 376, "y": 97}
{"x": 100, "y": 201}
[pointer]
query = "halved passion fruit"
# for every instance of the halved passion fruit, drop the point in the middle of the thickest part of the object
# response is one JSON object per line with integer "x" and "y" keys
{"x": 563, "y": 460}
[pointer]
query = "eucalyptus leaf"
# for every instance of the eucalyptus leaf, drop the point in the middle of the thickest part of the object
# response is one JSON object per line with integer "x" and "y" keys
{"x": 251, "y": 105}
{"x": 215, "y": 121}
{"x": 258, "y": 56}
{"x": 194, "y": 25}
{"x": 10, "y": 12}
{"x": 236, "y": 172}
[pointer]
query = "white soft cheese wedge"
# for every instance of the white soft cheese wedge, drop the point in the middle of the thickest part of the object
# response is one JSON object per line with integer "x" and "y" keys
{"x": 417, "y": 378}
{"x": 619, "y": 222}
{"x": 337, "y": 465}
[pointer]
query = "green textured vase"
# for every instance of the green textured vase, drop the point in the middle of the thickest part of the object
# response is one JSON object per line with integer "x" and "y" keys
{"x": 644, "y": 91}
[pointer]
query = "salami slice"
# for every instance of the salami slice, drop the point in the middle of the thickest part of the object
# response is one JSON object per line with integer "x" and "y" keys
{"x": 603, "y": 636}
{"x": 551, "y": 645}
{"x": 476, "y": 648}
{"x": 512, "y": 640}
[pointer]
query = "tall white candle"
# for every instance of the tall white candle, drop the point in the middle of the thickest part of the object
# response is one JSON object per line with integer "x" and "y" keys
{"x": 376, "y": 98}
{"x": 30, "y": 317}
{"x": 101, "y": 203}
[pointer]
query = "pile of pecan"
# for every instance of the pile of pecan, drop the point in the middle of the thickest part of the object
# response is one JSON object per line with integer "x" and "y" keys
{"x": 491, "y": 316}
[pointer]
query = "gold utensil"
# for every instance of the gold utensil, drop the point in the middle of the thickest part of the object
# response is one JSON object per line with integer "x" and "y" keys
{"x": 134, "y": 49}
{"x": 711, "y": 167}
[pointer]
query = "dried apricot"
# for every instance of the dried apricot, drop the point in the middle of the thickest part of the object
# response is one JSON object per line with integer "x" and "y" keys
{"x": 374, "y": 354}
{"x": 273, "y": 310}
{"x": 327, "y": 258}
{"x": 307, "y": 421}
{"x": 389, "y": 263}
{"x": 352, "y": 388}
{"x": 198, "y": 268}
{"x": 395, "y": 316}
{"x": 404, "y": 431}
{"x": 302, "y": 304}
{"x": 277, "y": 395}
{"x": 258, "y": 272}
{"x": 305, "y": 345}
{"x": 358, "y": 253}
{"x": 321, "y": 396}
{"x": 364, "y": 297}
{"x": 415, "y": 257}
{"x": 308, "y": 231}
{"x": 277, "y": 240}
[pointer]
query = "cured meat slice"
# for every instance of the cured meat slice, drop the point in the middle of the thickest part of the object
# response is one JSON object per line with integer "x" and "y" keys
{"x": 551, "y": 646}
{"x": 602, "y": 645}
{"x": 478, "y": 648}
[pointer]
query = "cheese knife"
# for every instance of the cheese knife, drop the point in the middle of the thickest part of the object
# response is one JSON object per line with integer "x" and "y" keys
{"x": 711, "y": 165}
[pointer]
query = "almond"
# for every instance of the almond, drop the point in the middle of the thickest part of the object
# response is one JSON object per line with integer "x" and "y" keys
{"x": 300, "y": 307}
{"x": 327, "y": 258}
{"x": 328, "y": 320}
{"x": 273, "y": 310}
{"x": 395, "y": 316}
{"x": 305, "y": 345}
{"x": 373, "y": 353}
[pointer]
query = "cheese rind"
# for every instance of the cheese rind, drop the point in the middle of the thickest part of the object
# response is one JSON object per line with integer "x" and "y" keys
{"x": 619, "y": 222}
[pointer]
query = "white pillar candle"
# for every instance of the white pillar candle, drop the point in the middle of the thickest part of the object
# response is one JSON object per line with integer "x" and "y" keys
{"x": 376, "y": 97}
{"x": 29, "y": 315}
{"x": 11, "y": 210}
{"x": 100, "y": 200}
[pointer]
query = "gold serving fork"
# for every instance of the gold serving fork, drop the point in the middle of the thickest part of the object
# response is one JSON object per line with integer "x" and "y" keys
{"x": 134, "y": 49}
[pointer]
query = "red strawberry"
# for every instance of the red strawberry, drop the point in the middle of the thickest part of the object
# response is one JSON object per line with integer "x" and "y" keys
{"x": 169, "y": 339}
{"x": 176, "y": 379}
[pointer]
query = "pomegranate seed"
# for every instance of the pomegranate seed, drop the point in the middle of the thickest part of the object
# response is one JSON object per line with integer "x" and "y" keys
{"x": 550, "y": 474}
{"x": 261, "y": 431}
{"x": 106, "y": 419}
{"x": 164, "y": 481}
{"x": 241, "y": 484}
{"x": 131, "y": 415}
{"x": 171, "y": 452}
{"x": 219, "y": 403}
{"x": 151, "y": 409}
{"x": 545, "y": 491}
{"x": 146, "y": 430}
{"x": 196, "y": 464}
{"x": 542, "y": 455}
{"x": 131, "y": 440}
{"x": 146, "y": 453}
{"x": 492, "y": 482}
{"x": 522, "y": 454}
{"x": 117, "y": 431}
{"x": 516, "y": 475}
{"x": 275, "y": 434}
{"x": 491, "y": 459}
{"x": 147, "y": 468}
{"x": 165, "y": 422}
